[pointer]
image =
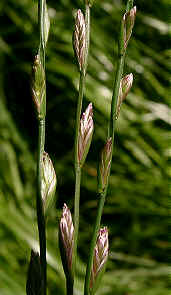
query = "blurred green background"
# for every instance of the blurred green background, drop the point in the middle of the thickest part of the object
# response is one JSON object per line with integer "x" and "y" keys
{"x": 137, "y": 206}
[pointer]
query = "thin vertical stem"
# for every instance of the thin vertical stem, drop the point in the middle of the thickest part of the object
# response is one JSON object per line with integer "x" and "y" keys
{"x": 102, "y": 195}
{"x": 78, "y": 115}
{"x": 41, "y": 143}
{"x": 77, "y": 164}
{"x": 39, "y": 205}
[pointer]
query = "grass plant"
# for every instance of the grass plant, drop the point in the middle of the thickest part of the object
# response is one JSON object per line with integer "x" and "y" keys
{"x": 141, "y": 161}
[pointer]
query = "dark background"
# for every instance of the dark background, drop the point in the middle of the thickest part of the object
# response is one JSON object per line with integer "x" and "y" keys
{"x": 137, "y": 205}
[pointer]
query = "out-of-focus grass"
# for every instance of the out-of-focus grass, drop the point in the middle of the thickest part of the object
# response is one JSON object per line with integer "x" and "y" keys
{"x": 137, "y": 207}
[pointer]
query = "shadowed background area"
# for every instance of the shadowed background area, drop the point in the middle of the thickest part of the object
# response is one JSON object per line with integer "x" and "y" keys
{"x": 137, "y": 205}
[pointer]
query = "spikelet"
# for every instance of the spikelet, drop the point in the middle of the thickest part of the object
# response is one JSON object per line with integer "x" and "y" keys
{"x": 128, "y": 24}
{"x": 66, "y": 234}
{"x": 85, "y": 134}
{"x": 104, "y": 165}
{"x": 48, "y": 182}
{"x": 79, "y": 39}
{"x": 125, "y": 86}
{"x": 101, "y": 252}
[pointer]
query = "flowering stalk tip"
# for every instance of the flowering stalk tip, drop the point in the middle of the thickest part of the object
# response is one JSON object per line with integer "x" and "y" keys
{"x": 48, "y": 182}
{"x": 125, "y": 86}
{"x": 79, "y": 39}
{"x": 128, "y": 24}
{"x": 66, "y": 240}
{"x": 104, "y": 165}
{"x": 38, "y": 87}
{"x": 85, "y": 134}
{"x": 100, "y": 258}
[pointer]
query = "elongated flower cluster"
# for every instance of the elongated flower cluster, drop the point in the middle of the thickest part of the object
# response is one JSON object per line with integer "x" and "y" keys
{"x": 128, "y": 22}
{"x": 85, "y": 134}
{"x": 104, "y": 165}
{"x": 48, "y": 182}
{"x": 39, "y": 87}
{"x": 79, "y": 39}
{"x": 66, "y": 239}
{"x": 100, "y": 256}
{"x": 125, "y": 86}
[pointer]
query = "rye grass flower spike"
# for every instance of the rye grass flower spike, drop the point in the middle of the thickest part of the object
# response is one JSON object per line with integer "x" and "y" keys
{"x": 48, "y": 182}
{"x": 85, "y": 134}
{"x": 128, "y": 24}
{"x": 79, "y": 39}
{"x": 38, "y": 87}
{"x": 104, "y": 165}
{"x": 99, "y": 260}
{"x": 125, "y": 86}
{"x": 34, "y": 279}
{"x": 66, "y": 234}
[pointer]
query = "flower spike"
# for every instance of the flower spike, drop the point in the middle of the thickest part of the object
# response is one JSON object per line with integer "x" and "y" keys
{"x": 104, "y": 165}
{"x": 85, "y": 134}
{"x": 48, "y": 182}
{"x": 101, "y": 252}
{"x": 128, "y": 24}
{"x": 125, "y": 86}
{"x": 79, "y": 39}
{"x": 66, "y": 240}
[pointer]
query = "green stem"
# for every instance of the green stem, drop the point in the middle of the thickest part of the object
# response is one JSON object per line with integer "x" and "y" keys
{"x": 41, "y": 143}
{"x": 102, "y": 196}
{"x": 39, "y": 204}
{"x": 69, "y": 287}
{"x": 78, "y": 115}
{"x": 77, "y": 164}
{"x": 119, "y": 72}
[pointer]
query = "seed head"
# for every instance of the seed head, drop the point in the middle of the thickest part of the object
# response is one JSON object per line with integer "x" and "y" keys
{"x": 38, "y": 87}
{"x": 100, "y": 256}
{"x": 125, "y": 86}
{"x": 79, "y": 39}
{"x": 104, "y": 165}
{"x": 85, "y": 134}
{"x": 66, "y": 238}
{"x": 48, "y": 182}
{"x": 128, "y": 23}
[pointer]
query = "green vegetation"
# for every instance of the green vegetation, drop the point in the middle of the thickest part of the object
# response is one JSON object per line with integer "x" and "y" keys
{"x": 137, "y": 204}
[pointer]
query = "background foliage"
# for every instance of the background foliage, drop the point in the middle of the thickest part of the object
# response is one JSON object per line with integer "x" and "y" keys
{"x": 137, "y": 207}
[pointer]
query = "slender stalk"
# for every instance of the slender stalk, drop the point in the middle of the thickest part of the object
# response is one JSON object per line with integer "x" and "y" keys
{"x": 78, "y": 115}
{"x": 41, "y": 143}
{"x": 119, "y": 72}
{"x": 102, "y": 195}
{"x": 39, "y": 205}
{"x": 77, "y": 164}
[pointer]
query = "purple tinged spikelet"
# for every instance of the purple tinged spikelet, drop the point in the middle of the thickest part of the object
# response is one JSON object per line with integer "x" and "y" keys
{"x": 101, "y": 252}
{"x": 48, "y": 181}
{"x": 80, "y": 39}
{"x": 85, "y": 133}
{"x": 104, "y": 165}
{"x": 125, "y": 86}
{"x": 67, "y": 235}
{"x": 128, "y": 22}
